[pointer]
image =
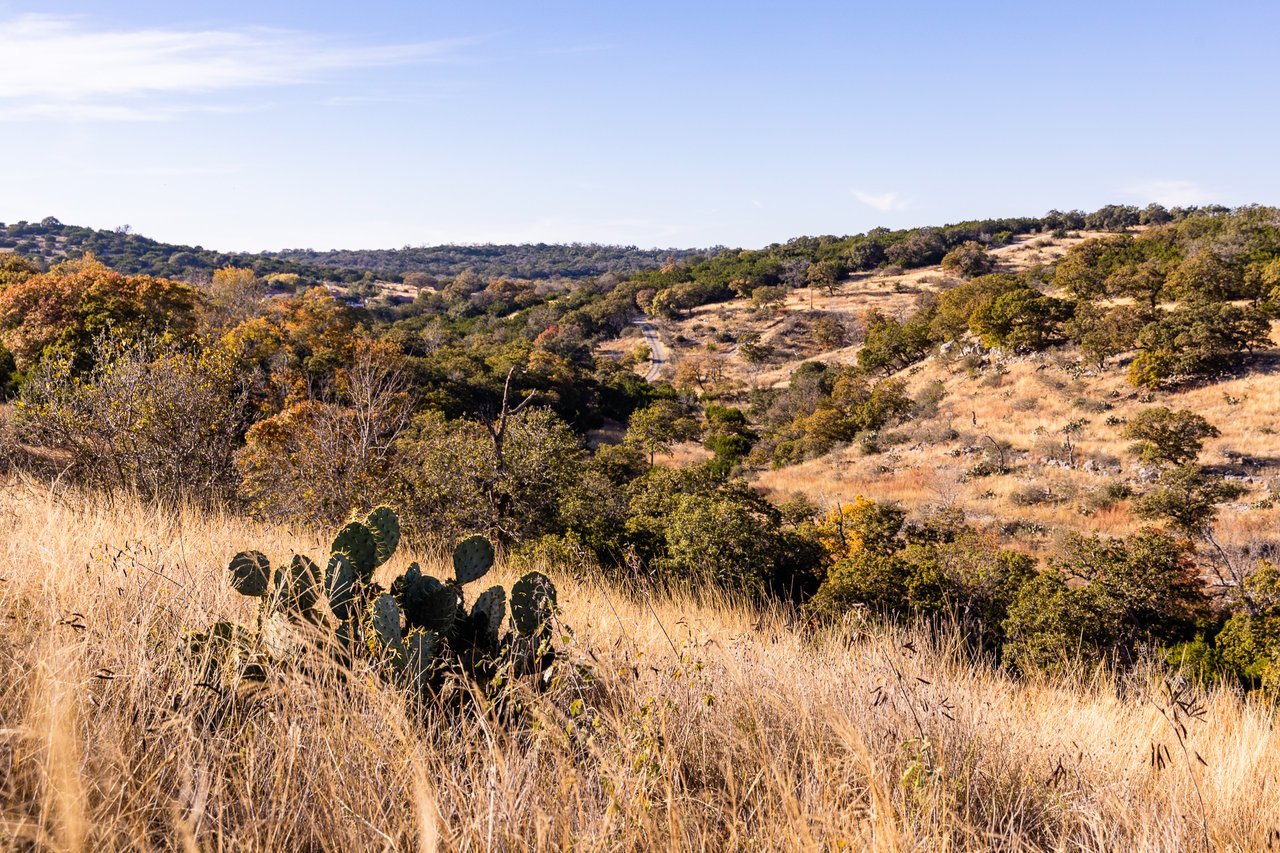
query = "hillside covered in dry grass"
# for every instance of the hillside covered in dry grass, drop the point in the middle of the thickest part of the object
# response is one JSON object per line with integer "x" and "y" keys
{"x": 956, "y": 537}
{"x": 987, "y": 434}
{"x": 677, "y": 724}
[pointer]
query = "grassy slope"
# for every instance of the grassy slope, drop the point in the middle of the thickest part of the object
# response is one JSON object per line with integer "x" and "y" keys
{"x": 742, "y": 732}
{"x": 1025, "y": 402}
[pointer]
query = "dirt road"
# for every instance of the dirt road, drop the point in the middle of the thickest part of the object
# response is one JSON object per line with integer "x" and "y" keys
{"x": 657, "y": 352}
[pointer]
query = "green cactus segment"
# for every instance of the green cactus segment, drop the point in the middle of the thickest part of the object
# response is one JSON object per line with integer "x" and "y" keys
{"x": 533, "y": 601}
{"x": 303, "y": 589}
{"x": 340, "y": 584}
{"x": 426, "y": 602}
{"x": 472, "y": 558}
{"x": 250, "y": 573}
{"x": 530, "y": 655}
{"x": 384, "y": 524}
{"x": 361, "y": 549}
{"x": 488, "y": 613}
{"x": 223, "y": 633}
{"x": 384, "y": 616}
{"x": 348, "y": 636}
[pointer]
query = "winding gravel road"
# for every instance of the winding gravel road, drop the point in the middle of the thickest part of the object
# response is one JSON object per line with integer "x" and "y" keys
{"x": 657, "y": 352}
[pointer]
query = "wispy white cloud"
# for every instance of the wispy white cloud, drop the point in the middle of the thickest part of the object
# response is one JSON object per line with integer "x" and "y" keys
{"x": 62, "y": 68}
{"x": 164, "y": 171}
{"x": 85, "y": 110}
{"x": 882, "y": 201}
{"x": 1170, "y": 193}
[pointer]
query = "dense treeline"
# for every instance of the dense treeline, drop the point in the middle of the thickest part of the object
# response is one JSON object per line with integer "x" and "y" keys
{"x": 526, "y": 260}
{"x": 825, "y": 261}
{"x": 470, "y": 409}
{"x": 49, "y": 241}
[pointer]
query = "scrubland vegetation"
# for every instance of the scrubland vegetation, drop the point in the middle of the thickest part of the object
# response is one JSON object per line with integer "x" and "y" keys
{"x": 951, "y": 537}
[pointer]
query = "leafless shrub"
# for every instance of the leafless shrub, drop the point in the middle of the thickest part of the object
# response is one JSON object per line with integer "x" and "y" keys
{"x": 149, "y": 417}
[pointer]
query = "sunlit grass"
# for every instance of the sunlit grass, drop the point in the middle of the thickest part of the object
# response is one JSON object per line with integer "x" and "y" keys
{"x": 702, "y": 725}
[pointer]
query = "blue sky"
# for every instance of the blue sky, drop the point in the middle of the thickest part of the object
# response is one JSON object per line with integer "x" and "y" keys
{"x": 261, "y": 125}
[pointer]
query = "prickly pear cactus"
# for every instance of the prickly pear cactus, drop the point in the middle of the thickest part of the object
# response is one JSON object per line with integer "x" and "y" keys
{"x": 421, "y": 649}
{"x": 298, "y": 590}
{"x": 212, "y": 648}
{"x": 279, "y": 640}
{"x": 425, "y": 601}
{"x": 488, "y": 613}
{"x": 533, "y": 602}
{"x": 384, "y": 524}
{"x": 361, "y": 549}
{"x": 250, "y": 573}
{"x": 421, "y": 632}
{"x": 340, "y": 584}
{"x": 384, "y": 618}
{"x": 472, "y": 558}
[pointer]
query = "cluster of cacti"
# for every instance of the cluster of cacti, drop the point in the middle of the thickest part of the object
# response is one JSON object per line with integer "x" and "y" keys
{"x": 418, "y": 631}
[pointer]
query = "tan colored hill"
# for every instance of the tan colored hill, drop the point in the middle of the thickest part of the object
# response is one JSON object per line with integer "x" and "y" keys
{"x": 1023, "y": 404}
{"x": 788, "y": 328}
{"x": 1020, "y": 403}
{"x": 691, "y": 726}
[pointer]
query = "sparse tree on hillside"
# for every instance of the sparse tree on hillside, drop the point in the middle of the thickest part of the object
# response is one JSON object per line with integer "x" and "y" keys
{"x": 829, "y": 332}
{"x": 1104, "y": 332}
{"x": 754, "y": 351}
{"x": 769, "y": 297}
{"x": 1188, "y": 498}
{"x": 703, "y": 372}
{"x": 969, "y": 259}
{"x": 826, "y": 275}
{"x": 658, "y": 426}
{"x": 1165, "y": 437}
{"x": 419, "y": 281}
{"x": 1195, "y": 339}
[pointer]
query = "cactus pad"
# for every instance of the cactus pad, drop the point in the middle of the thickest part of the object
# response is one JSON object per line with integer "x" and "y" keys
{"x": 472, "y": 558}
{"x": 361, "y": 549}
{"x": 426, "y": 602}
{"x": 533, "y": 601}
{"x": 420, "y": 651}
{"x": 299, "y": 589}
{"x": 384, "y": 616}
{"x": 384, "y": 524}
{"x": 340, "y": 583}
{"x": 278, "y": 638}
{"x": 489, "y": 611}
{"x": 250, "y": 573}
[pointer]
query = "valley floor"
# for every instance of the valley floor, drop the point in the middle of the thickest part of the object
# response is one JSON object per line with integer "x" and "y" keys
{"x": 690, "y": 726}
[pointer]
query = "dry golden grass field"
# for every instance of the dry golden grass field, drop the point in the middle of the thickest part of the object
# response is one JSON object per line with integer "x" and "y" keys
{"x": 700, "y": 726}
